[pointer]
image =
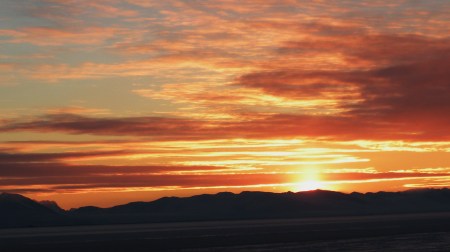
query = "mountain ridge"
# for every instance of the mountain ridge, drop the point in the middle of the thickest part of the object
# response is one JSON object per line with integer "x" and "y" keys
{"x": 19, "y": 211}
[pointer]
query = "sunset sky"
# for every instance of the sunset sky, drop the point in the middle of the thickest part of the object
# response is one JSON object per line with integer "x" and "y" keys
{"x": 106, "y": 102}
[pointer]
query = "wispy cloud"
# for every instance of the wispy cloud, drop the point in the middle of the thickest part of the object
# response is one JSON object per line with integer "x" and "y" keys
{"x": 370, "y": 127}
{"x": 46, "y": 36}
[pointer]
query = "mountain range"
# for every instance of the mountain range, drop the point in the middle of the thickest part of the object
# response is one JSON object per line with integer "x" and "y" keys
{"x": 19, "y": 211}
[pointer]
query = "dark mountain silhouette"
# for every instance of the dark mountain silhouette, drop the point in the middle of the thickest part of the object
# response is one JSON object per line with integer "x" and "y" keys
{"x": 16, "y": 210}
{"x": 257, "y": 205}
{"x": 19, "y": 211}
{"x": 52, "y": 205}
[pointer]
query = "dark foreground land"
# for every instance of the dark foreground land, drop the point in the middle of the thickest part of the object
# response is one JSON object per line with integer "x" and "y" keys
{"x": 412, "y": 232}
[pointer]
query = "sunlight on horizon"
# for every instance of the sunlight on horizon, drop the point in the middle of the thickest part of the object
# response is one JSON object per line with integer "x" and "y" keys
{"x": 309, "y": 186}
{"x": 310, "y": 180}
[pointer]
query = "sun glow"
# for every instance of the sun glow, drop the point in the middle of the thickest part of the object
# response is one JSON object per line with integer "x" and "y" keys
{"x": 310, "y": 180}
{"x": 309, "y": 185}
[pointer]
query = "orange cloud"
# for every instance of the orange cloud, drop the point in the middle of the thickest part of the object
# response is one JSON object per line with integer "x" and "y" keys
{"x": 266, "y": 127}
{"x": 67, "y": 178}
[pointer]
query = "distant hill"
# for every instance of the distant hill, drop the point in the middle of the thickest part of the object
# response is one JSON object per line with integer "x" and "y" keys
{"x": 16, "y": 210}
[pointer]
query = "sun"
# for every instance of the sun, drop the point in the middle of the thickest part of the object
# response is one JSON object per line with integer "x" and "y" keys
{"x": 309, "y": 185}
{"x": 310, "y": 179}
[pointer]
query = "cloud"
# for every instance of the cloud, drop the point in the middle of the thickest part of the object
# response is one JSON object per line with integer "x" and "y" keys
{"x": 48, "y": 36}
{"x": 57, "y": 169}
{"x": 77, "y": 110}
{"x": 48, "y": 157}
{"x": 402, "y": 88}
{"x": 159, "y": 127}
{"x": 108, "y": 10}
{"x": 341, "y": 127}
{"x": 79, "y": 11}
{"x": 67, "y": 178}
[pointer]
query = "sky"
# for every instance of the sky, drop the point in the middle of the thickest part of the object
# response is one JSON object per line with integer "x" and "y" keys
{"x": 106, "y": 102}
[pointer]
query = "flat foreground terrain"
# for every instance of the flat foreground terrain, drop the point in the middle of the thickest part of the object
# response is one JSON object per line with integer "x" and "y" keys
{"x": 418, "y": 232}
